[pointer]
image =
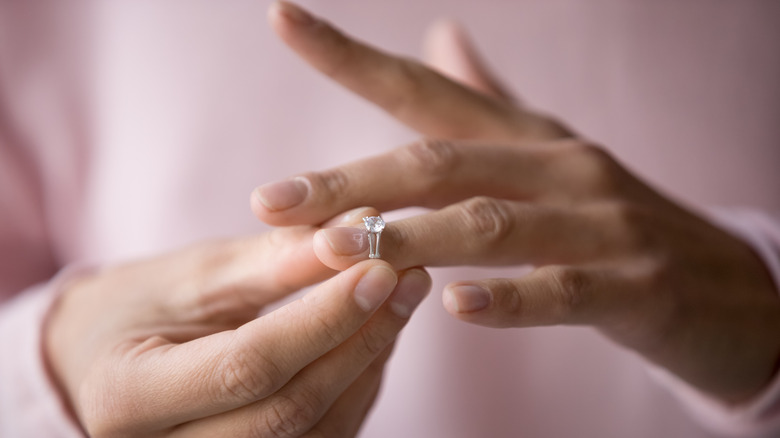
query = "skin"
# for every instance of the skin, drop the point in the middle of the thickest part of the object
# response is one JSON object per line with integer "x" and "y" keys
{"x": 508, "y": 186}
{"x": 172, "y": 346}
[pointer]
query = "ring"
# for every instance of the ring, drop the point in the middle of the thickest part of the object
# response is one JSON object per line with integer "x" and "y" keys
{"x": 374, "y": 226}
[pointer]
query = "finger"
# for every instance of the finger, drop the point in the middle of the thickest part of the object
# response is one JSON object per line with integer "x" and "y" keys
{"x": 243, "y": 275}
{"x": 223, "y": 282}
{"x": 298, "y": 406}
{"x": 549, "y": 295}
{"x": 414, "y": 94}
{"x": 226, "y": 370}
{"x": 351, "y": 218}
{"x": 488, "y": 231}
{"x": 435, "y": 173}
{"x": 449, "y": 50}
{"x": 237, "y": 277}
{"x": 348, "y": 413}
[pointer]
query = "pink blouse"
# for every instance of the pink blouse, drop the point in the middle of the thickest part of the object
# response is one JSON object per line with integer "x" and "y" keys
{"x": 132, "y": 127}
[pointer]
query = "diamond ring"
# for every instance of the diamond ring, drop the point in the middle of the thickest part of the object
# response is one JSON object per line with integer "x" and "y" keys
{"x": 374, "y": 226}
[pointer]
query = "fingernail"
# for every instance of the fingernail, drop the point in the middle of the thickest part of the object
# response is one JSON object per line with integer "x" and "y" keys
{"x": 373, "y": 289}
{"x": 295, "y": 13}
{"x": 412, "y": 287}
{"x": 282, "y": 195}
{"x": 355, "y": 215}
{"x": 467, "y": 298}
{"x": 346, "y": 241}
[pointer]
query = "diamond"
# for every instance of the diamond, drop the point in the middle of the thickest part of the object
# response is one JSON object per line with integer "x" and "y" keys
{"x": 374, "y": 224}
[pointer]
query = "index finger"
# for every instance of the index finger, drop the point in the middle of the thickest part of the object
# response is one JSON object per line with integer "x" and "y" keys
{"x": 416, "y": 95}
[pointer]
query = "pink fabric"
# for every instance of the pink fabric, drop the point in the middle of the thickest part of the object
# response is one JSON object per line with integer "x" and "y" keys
{"x": 29, "y": 403}
{"x": 133, "y": 127}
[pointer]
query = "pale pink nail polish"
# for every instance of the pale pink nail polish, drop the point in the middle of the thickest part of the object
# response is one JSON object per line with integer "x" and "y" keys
{"x": 373, "y": 289}
{"x": 467, "y": 298}
{"x": 346, "y": 241}
{"x": 282, "y": 195}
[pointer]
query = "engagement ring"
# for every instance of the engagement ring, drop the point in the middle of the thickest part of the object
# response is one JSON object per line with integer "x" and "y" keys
{"x": 374, "y": 226}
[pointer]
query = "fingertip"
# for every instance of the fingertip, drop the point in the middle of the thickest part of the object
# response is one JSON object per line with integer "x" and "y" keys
{"x": 375, "y": 286}
{"x": 351, "y": 218}
{"x": 274, "y": 16}
{"x": 441, "y": 30}
{"x": 413, "y": 286}
{"x": 282, "y": 11}
{"x": 442, "y": 44}
{"x": 256, "y": 205}
{"x": 346, "y": 241}
{"x": 322, "y": 249}
{"x": 340, "y": 247}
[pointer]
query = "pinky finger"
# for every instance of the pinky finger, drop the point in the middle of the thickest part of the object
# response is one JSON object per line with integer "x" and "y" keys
{"x": 549, "y": 295}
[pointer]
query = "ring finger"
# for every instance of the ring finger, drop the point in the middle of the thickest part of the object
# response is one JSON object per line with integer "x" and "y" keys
{"x": 488, "y": 231}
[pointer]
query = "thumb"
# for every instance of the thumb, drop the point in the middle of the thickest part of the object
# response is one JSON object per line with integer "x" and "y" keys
{"x": 448, "y": 49}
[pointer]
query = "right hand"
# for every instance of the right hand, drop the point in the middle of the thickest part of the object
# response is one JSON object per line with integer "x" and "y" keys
{"x": 608, "y": 250}
{"x": 172, "y": 346}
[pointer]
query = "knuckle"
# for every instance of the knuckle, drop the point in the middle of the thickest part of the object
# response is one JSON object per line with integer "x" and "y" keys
{"x": 331, "y": 329}
{"x": 633, "y": 224}
{"x": 431, "y": 158}
{"x": 247, "y": 376}
{"x": 288, "y": 417}
{"x": 329, "y": 185}
{"x": 592, "y": 153}
{"x": 204, "y": 285}
{"x": 569, "y": 291}
{"x": 107, "y": 413}
{"x": 96, "y": 419}
{"x": 597, "y": 168}
{"x": 487, "y": 219}
{"x": 512, "y": 303}
{"x": 372, "y": 342}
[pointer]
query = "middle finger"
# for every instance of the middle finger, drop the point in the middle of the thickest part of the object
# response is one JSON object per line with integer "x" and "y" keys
{"x": 434, "y": 173}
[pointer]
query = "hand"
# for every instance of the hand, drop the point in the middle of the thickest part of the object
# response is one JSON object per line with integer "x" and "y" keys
{"x": 172, "y": 346}
{"x": 609, "y": 250}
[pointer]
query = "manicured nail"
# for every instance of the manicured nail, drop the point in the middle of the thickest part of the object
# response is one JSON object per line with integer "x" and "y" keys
{"x": 295, "y": 13}
{"x": 346, "y": 241}
{"x": 373, "y": 289}
{"x": 282, "y": 195}
{"x": 412, "y": 287}
{"x": 467, "y": 298}
{"x": 355, "y": 216}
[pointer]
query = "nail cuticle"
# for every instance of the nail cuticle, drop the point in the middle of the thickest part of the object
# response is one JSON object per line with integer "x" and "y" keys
{"x": 283, "y": 195}
{"x": 374, "y": 287}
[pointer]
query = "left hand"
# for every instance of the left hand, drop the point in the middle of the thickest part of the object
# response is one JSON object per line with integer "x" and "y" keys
{"x": 172, "y": 345}
{"x": 515, "y": 187}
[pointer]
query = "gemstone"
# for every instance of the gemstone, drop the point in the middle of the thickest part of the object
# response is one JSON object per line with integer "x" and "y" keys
{"x": 374, "y": 224}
